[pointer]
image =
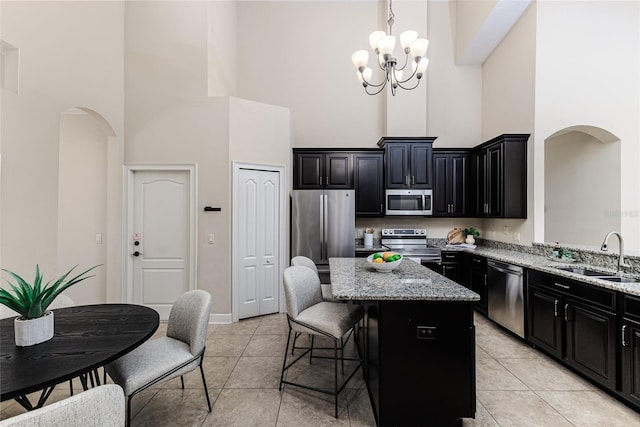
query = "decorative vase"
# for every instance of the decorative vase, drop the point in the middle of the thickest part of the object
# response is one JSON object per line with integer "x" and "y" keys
{"x": 33, "y": 331}
{"x": 368, "y": 240}
{"x": 470, "y": 239}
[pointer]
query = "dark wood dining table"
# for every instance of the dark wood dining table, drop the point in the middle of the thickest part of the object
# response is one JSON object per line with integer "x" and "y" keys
{"x": 85, "y": 338}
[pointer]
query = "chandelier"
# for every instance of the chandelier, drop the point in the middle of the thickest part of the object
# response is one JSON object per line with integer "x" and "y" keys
{"x": 383, "y": 45}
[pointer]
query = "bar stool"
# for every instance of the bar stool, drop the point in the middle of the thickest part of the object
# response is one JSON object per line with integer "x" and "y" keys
{"x": 308, "y": 313}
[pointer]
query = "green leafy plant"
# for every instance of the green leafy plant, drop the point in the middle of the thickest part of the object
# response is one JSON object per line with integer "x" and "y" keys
{"x": 31, "y": 301}
{"x": 471, "y": 231}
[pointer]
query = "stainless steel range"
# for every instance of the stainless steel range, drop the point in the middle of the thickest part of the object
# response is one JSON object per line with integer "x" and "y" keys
{"x": 411, "y": 243}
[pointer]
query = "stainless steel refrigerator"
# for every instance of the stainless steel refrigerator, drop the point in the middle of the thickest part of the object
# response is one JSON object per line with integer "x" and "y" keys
{"x": 323, "y": 225}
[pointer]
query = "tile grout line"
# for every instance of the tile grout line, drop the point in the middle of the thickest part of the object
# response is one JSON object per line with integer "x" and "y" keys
{"x": 553, "y": 407}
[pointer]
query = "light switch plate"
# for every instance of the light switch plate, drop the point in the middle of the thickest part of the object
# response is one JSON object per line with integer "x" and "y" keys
{"x": 211, "y": 238}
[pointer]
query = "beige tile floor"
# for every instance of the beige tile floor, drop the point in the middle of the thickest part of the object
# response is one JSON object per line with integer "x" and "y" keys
{"x": 516, "y": 386}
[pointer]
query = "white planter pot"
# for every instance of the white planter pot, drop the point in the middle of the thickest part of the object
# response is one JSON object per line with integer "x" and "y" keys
{"x": 470, "y": 239}
{"x": 33, "y": 331}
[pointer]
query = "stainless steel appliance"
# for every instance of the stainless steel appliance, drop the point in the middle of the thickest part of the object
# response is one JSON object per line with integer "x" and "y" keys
{"x": 323, "y": 225}
{"x": 505, "y": 295}
{"x": 409, "y": 202}
{"x": 412, "y": 244}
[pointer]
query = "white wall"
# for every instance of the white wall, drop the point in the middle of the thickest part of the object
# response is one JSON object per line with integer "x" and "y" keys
{"x": 587, "y": 68}
{"x": 71, "y": 56}
{"x": 82, "y": 202}
{"x": 508, "y": 93}
{"x": 579, "y": 170}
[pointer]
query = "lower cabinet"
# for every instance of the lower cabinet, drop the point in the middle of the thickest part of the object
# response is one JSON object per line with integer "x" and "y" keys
{"x": 574, "y": 322}
{"x": 419, "y": 361}
{"x": 476, "y": 279}
{"x": 630, "y": 350}
{"x": 450, "y": 265}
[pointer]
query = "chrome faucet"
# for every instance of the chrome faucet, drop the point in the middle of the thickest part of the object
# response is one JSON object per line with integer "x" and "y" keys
{"x": 604, "y": 247}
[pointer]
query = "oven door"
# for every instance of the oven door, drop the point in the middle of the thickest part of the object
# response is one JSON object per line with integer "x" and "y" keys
{"x": 409, "y": 202}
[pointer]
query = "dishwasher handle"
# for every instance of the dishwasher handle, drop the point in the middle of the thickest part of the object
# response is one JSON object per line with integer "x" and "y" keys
{"x": 505, "y": 268}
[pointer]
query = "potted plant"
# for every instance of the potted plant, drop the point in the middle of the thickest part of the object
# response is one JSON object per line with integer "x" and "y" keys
{"x": 30, "y": 301}
{"x": 471, "y": 233}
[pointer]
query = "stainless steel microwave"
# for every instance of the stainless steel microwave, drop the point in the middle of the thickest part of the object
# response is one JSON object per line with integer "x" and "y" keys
{"x": 409, "y": 202}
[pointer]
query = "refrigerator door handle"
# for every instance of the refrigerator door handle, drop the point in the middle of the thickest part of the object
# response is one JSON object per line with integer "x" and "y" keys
{"x": 325, "y": 236}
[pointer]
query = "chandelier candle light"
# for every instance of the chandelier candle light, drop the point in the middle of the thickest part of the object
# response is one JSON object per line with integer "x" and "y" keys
{"x": 383, "y": 45}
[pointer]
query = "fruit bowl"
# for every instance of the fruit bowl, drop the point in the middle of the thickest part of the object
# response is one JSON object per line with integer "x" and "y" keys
{"x": 385, "y": 266}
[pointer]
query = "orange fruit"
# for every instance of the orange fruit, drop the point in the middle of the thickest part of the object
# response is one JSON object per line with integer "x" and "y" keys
{"x": 387, "y": 255}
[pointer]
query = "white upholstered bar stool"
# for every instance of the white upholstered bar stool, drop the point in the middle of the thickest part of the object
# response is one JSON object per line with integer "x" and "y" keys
{"x": 308, "y": 313}
{"x": 303, "y": 261}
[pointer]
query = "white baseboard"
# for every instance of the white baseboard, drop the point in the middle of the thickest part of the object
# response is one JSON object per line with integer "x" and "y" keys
{"x": 220, "y": 318}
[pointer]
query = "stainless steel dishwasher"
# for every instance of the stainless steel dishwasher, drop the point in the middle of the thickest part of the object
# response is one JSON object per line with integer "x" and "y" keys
{"x": 505, "y": 295}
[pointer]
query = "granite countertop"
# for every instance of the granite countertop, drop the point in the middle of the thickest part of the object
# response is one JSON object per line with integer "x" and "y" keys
{"x": 548, "y": 265}
{"x": 377, "y": 247}
{"x": 356, "y": 279}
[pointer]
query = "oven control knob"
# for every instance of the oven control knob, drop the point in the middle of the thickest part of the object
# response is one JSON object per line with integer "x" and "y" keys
{"x": 423, "y": 231}
{"x": 385, "y": 231}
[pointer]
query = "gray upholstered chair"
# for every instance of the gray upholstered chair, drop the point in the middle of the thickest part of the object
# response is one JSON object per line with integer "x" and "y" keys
{"x": 99, "y": 406}
{"x": 308, "y": 313}
{"x": 174, "y": 355}
{"x": 303, "y": 261}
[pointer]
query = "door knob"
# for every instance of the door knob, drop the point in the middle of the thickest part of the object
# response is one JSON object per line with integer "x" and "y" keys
{"x": 136, "y": 243}
{"x": 136, "y": 253}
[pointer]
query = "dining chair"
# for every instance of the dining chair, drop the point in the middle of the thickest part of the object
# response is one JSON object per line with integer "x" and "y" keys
{"x": 308, "y": 313}
{"x": 303, "y": 261}
{"x": 99, "y": 406}
{"x": 161, "y": 359}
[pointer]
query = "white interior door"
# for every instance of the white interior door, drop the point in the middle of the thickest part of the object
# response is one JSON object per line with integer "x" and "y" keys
{"x": 258, "y": 242}
{"x": 160, "y": 240}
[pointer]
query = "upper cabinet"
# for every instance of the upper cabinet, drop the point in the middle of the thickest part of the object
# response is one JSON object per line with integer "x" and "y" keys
{"x": 368, "y": 173}
{"x": 334, "y": 169}
{"x": 450, "y": 182}
{"x": 498, "y": 169}
{"x": 408, "y": 162}
{"x": 317, "y": 169}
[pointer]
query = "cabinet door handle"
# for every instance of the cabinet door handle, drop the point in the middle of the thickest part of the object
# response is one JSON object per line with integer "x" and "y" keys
{"x": 381, "y": 208}
{"x": 476, "y": 260}
{"x": 555, "y": 308}
{"x": 566, "y": 312}
{"x": 567, "y": 287}
{"x": 413, "y": 179}
{"x": 624, "y": 336}
{"x": 327, "y": 180}
{"x": 406, "y": 180}
{"x": 485, "y": 279}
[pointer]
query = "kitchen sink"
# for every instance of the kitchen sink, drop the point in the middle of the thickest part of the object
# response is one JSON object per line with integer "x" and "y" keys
{"x": 583, "y": 271}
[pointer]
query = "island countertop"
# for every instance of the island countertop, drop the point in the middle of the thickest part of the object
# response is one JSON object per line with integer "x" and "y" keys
{"x": 356, "y": 279}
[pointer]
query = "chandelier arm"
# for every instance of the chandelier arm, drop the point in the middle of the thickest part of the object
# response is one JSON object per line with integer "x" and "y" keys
{"x": 409, "y": 88}
{"x": 384, "y": 82}
{"x": 409, "y": 78}
{"x": 406, "y": 62}
{"x": 382, "y": 86}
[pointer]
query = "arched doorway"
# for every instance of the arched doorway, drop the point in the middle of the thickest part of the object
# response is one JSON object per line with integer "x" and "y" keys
{"x": 83, "y": 208}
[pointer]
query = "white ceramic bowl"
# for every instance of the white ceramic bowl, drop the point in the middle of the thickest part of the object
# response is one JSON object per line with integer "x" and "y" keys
{"x": 384, "y": 267}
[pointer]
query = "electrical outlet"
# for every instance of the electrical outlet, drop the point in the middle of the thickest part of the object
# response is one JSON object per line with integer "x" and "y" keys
{"x": 516, "y": 237}
{"x": 98, "y": 239}
{"x": 505, "y": 229}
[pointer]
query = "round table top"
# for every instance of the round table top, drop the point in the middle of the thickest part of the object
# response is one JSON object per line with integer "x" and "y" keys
{"x": 85, "y": 338}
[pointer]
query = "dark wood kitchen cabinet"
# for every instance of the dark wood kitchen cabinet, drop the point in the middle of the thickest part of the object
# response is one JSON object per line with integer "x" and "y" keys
{"x": 450, "y": 182}
{"x": 408, "y": 162}
{"x": 576, "y": 323}
{"x": 322, "y": 169}
{"x": 476, "y": 278}
{"x": 368, "y": 174}
{"x": 498, "y": 168}
{"x": 630, "y": 350}
{"x": 413, "y": 378}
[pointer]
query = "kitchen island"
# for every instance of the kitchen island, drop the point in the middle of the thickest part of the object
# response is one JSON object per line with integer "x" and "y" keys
{"x": 418, "y": 341}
